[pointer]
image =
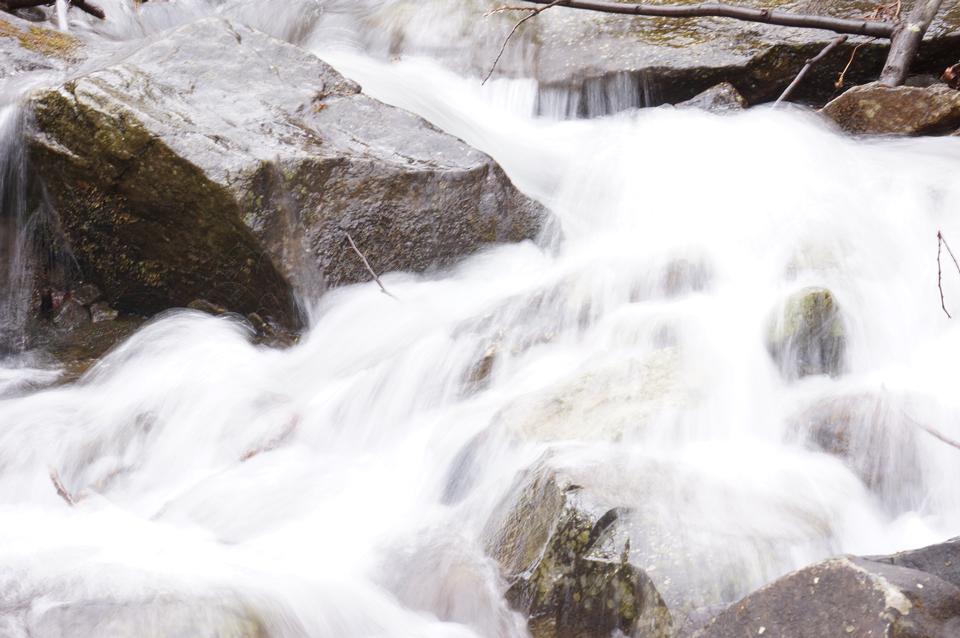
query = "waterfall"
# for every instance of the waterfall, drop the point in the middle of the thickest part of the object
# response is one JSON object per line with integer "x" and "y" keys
{"x": 325, "y": 485}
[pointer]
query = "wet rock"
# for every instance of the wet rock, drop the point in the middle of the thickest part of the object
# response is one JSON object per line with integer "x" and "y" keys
{"x": 722, "y": 98}
{"x": 589, "y": 64}
{"x": 87, "y": 294}
{"x": 28, "y": 47}
{"x": 875, "y": 438}
{"x": 174, "y": 182}
{"x": 873, "y": 109}
{"x": 565, "y": 558}
{"x": 941, "y": 560}
{"x": 807, "y": 335}
{"x": 850, "y": 596}
{"x": 102, "y": 312}
{"x": 71, "y": 316}
{"x": 154, "y": 618}
{"x": 77, "y": 350}
{"x": 684, "y": 275}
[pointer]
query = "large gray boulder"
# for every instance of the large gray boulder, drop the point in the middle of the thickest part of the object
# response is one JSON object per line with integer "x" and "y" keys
{"x": 908, "y": 595}
{"x": 219, "y": 163}
{"x": 590, "y": 64}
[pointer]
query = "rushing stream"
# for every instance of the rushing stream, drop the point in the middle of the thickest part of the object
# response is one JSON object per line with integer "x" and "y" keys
{"x": 322, "y": 484}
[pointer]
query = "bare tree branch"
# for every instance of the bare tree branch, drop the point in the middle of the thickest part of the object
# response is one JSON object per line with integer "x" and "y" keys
{"x": 931, "y": 431}
{"x": 533, "y": 13}
{"x": 61, "y": 490}
{"x": 809, "y": 65}
{"x": 906, "y": 41}
{"x": 941, "y": 242}
{"x": 366, "y": 263}
{"x": 718, "y": 10}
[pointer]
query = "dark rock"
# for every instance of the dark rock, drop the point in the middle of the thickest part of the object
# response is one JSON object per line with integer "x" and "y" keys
{"x": 202, "y": 305}
{"x": 943, "y": 560}
{"x": 807, "y": 336}
{"x": 72, "y": 315}
{"x": 87, "y": 294}
{"x": 173, "y": 182}
{"x": 565, "y": 558}
{"x": 885, "y": 596}
{"x": 722, "y": 98}
{"x": 80, "y": 348}
{"x": 873, "y": 109}
{"x": 102, "y": 312}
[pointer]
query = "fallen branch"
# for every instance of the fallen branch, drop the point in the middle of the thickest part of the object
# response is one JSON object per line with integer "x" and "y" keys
{"x": 274, "y": 442}
{"x": 61, "y": 490}
{"x": 941, "y": 242}
{"x": 533, "y": 13}
{"x": 809, "y": 65}
{"x": 931, "y": 431}
{"x": 83, "y": 5}
{"x": 906, "y": 41}
{"x": 717, "y": 10}
{"x": 366, "y": 263}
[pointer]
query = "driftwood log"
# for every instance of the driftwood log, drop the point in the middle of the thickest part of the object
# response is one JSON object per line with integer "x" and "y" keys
{"x": 906, "y": 41}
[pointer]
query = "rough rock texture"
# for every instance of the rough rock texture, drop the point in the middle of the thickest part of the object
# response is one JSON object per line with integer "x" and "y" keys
{"x": 807, "y": 336}
{"x": 591, "y": 64}
{"x": 873, "y": 109}
{"x": 175, "y": 181}
{"x": 28, "y": 47}
{"x": 565, "y": 558}
{"x": 909, "y": 595}
{"x": 717, "y": 99}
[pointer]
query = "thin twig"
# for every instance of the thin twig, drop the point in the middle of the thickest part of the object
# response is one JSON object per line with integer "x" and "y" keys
{"x": 842, "y": 78}
{"x": 366, "y": 263}
{"x": 943, "y": 304}
{"x": 809, "y": 65}
{"x": 273, "y": 442}
{"x": 931, "y": 431}
{"x": 503, "y": 47}
{"x": 61, "y": 490}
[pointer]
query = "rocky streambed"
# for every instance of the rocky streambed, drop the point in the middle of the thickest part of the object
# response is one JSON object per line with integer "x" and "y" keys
{"x": 580, "y": 440}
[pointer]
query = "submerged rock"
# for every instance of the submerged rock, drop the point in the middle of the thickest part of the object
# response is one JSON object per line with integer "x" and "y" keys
{"x": 71, "y": 316}
{"x": 873, "y": 436}
{"x": 807, "y": 336}
{"x": 173, "y": 181}
{"x": 909, "y": 595}
{"x": 155, "y": 618}
{"x": 565, "y": 558}
{"x": 874, "y": 109}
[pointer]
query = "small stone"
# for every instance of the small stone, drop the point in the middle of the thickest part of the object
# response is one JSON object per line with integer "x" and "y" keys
{"x": 101, "y": 311}
{"x": 761, "y": 631}
{"x": 87, "y": 294}
{"x": 72, "y": 315}
{"x": 206, "y": 306}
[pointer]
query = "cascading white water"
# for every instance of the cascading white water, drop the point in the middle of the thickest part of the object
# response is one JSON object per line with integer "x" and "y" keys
{"x": 315, "y": 483}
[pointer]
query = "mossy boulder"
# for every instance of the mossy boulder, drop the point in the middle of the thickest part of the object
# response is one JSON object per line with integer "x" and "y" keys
{"x": 909, "y": 595}
{"x": 874, "y": 109}
{"x": 566, "y": 559}
{"x": 807, "y": 335}
{"x": 175, "y": 181}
